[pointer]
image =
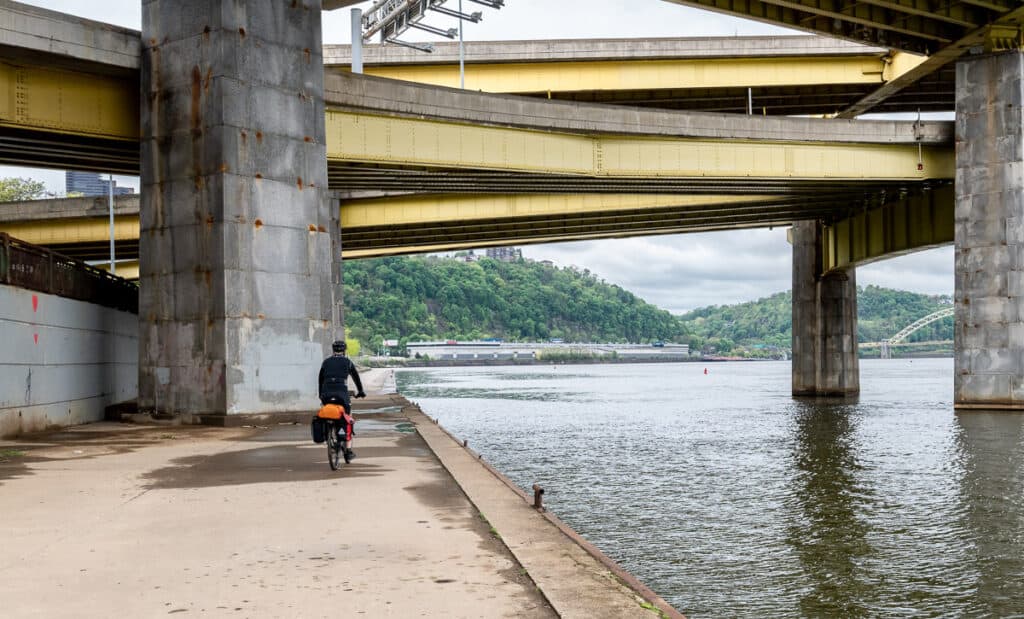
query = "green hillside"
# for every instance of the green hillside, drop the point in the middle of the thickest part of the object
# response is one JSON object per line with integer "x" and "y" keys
{"x": 430, "y": 298}
{"x": 433, "y": 298}
{"x": 881, "y": 313}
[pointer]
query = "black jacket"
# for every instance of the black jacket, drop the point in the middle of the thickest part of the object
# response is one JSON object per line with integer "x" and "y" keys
{"x": 334, "y": 373}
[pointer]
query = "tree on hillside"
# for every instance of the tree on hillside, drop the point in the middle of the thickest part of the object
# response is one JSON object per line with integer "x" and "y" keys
{"x": 881, "y": 313}
{"x": 19, "y": 189}
{"x": 433, "y": 298}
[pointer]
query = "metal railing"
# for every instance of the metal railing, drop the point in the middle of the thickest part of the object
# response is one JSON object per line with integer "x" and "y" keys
{"x": 37, "y": 268}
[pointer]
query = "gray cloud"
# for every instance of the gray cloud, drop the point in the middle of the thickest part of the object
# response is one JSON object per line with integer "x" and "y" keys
{"x": 686, "y": 271}
{"x": 124, "y": 13}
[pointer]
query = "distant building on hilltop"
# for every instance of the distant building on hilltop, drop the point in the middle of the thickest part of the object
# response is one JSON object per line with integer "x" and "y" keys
{"x": 505, "y": 254}
{"x": 90, "y": 184}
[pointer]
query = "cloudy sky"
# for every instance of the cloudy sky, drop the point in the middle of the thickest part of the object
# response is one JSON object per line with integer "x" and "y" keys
{"x": 677, "y": 272}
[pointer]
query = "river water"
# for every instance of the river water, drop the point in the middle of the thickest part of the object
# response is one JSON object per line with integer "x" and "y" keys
{"x": 730, "y": 498}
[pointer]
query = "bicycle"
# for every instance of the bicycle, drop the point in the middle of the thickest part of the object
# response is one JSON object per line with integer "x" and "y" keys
{"x": 333, "y": 428}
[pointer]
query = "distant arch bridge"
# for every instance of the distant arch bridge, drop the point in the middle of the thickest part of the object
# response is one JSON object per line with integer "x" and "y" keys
{"x": 904, "y": 333}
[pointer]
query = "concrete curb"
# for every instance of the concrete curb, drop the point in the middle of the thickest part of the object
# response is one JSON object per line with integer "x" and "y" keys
{"x": 616, "y": 582}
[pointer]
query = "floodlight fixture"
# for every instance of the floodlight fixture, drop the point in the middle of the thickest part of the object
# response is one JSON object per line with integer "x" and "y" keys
{"x": 427, "y": 48}
{"x": 470, "y": 17}
{"x": 391, "y": 18}
{"x": 451, "y": 33}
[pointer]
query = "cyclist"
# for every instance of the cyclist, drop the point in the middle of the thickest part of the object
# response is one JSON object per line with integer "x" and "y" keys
{"x": 334, "y": 373}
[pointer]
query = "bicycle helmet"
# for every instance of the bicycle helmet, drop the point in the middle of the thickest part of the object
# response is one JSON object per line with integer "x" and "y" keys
{"x": 339, "y": 346}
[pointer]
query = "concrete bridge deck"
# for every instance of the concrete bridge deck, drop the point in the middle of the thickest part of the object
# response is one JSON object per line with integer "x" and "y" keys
{"x": 142, "y": 521}
{"x": 784, "y": 74}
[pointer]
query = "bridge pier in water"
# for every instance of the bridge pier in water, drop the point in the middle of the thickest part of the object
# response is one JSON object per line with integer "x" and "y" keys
{"x": 236, "y": 246}
{"x": 825, "y": 359}
{"x": 989, "y": 233}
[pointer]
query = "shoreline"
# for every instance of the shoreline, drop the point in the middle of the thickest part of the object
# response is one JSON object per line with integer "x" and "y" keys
{"x": 546, "y": 547}
{"x": 573, "y": 575}
{"x": 419, "y": 363}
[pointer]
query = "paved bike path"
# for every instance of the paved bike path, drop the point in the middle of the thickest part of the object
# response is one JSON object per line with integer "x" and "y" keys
{"x": 139, "y": 521}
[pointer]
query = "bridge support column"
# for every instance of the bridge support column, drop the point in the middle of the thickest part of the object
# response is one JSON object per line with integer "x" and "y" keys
{"x": 235, "y": 247}
{"x": 989, "y": 233}
{"x": 824, "y": 321}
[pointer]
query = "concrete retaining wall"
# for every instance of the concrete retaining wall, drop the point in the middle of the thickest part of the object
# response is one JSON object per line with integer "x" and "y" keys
{"x": 62, "y": 361}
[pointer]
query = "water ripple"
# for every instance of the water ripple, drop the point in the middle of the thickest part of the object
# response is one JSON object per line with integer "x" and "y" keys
{"x": 729, "y": 498}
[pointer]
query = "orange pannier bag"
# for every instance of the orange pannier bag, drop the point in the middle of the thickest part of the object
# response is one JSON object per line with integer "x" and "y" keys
{"x": 331, "y": 411}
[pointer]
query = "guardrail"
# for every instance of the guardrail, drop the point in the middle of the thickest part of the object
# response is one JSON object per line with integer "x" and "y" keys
{"x": 37, "y": 268}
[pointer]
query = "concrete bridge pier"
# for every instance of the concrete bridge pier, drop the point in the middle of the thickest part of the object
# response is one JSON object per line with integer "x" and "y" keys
{"x": 989, "y": 233}
{"x": 824, "y": 320}
{"x": 235, "y": 248}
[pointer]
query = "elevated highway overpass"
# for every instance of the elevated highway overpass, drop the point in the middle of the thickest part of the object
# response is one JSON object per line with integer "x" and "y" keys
{"x": 941, "y": 31}
{"x": 74, "y": 95}
{"x": 243, "y": 136}
{"x": 469, "y": 170}
{"x": 777, "y": 75}
{"x": 525, "y": 170}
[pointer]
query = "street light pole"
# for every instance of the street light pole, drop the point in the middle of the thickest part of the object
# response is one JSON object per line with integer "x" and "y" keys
{"x": 357, "y": 40}
{"x": 462, "y": 53}
{"x": 110, "y": 208}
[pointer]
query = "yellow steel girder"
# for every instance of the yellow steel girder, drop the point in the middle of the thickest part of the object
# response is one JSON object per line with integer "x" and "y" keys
{"x": 400, "y": 210}
{"x": 421, "y": 209}
{"x": 409, "y": 250}
{"x": 608, "y": 75}
{"x": 366, "y": 138}
{"x": 915, "y": 223}
{"x": 405, "y": 250}
{"x": 69, "y": 231}
{"x": 912, "y": 224}
{"x": 69, "y": 102}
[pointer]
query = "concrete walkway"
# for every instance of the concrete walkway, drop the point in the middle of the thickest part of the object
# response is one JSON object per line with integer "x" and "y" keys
{"x": 250, "y": 522}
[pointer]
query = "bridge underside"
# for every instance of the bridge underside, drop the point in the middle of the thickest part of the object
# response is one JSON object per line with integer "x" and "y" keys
{"x": 566, "y": 172}
{"x": 83, "y": 116}
{"x": 415, "y": 224}
{"x": 910, "y": 25}
{"x": 784, "y": 75}
{"x": 66, "y": 151}
{"x": 932, "y": 94}
{"x": 452, "y": 184}
{"x": 457, "y": 174}
{"x": 806, "y": 85}
{"x": 941, "y": 31}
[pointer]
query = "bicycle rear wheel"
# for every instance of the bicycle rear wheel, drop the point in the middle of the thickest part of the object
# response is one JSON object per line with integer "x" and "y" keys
{"x": 333, "y": 448}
